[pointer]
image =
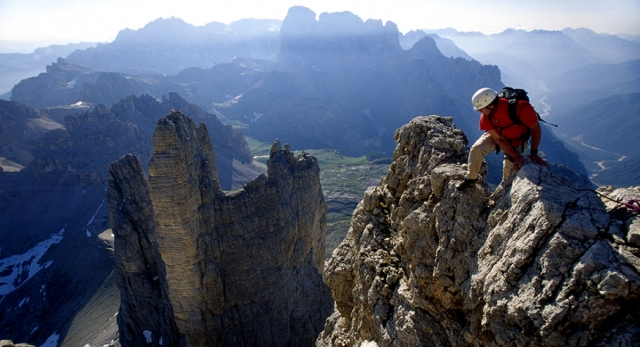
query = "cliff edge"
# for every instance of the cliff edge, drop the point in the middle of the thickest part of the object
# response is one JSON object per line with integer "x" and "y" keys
{"x": 535, "y": 263}
{"x": 199, "y": 266}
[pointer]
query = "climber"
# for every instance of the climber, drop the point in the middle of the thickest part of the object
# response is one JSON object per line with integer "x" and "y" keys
{"x": 501, "y": 133}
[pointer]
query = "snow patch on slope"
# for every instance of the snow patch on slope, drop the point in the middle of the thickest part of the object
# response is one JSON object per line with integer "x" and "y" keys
{"x": 18, "y": 269}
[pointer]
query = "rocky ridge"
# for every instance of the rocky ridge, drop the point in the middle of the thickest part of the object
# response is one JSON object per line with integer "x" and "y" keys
{"x": 169, "y": 45}
{"x": 21, "y": 125}
{"x": 199, "y": 266}
{"x": 535, "y": 263}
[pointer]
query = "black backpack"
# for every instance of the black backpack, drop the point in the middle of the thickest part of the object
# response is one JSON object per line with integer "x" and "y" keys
{"x": 514, "y": 95}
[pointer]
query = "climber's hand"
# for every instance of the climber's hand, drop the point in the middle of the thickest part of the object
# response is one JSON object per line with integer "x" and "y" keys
{"x": 538, "y": 160}
{"x": 518, "y": 164}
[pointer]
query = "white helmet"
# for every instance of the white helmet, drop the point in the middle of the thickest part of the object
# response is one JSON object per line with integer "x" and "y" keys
{"x": 483, "y": 98}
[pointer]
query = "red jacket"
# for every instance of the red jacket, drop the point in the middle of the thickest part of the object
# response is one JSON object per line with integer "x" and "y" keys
{"x": 501, "y": 122}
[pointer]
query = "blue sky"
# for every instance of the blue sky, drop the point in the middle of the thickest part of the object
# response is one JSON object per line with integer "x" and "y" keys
{"x": 65, "y": 21}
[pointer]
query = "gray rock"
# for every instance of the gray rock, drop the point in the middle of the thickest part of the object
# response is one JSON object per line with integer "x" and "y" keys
{"x": 243, "y": 267}
{"x": 619, "y": 203}
{"x": 535, "y": 263}
{"x": 140, "y": 270}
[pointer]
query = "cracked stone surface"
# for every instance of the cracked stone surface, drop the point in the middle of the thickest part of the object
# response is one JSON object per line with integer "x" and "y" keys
{"x": 535, "y": 263}
{"x": 199, "y": 266}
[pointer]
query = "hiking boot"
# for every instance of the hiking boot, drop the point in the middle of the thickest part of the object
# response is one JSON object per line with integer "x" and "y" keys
{"x": 466, "y": 184}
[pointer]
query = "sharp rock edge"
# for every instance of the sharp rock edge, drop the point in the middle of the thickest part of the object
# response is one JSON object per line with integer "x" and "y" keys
{"x": 199, "y": 266}
{"x": 535, "y": 263}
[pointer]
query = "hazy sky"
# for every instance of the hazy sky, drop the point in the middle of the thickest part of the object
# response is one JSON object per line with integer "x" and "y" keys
{"x": 64, "y": 21}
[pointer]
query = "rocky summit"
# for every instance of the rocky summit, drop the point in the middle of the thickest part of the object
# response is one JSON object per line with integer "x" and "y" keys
{"x": 536, "y": 262}
{"x": 199, "y": 266}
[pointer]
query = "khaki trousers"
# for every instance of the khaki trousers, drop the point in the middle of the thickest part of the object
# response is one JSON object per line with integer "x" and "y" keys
{"x": 480, "y": 149}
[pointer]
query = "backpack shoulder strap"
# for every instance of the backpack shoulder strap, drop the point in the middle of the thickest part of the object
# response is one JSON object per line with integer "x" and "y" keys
{"x": 514, "y": 113}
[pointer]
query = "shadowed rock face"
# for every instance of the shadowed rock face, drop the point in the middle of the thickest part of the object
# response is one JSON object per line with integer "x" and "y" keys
{"x": 139, "y": 266}
{"x": 216, "y": 268}
{"x": 536, "y": 263}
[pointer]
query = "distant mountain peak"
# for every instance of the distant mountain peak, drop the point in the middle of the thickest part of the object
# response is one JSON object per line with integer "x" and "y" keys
{"x": 425, "y": 48}
{"x": 338, "y": 32}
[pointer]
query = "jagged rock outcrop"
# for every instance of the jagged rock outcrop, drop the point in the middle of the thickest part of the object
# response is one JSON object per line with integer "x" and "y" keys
{"x": 80, "y": 152}
{"x": 243, "y": 267}
{"x": 61, "y": 191}
{"x": 535, "y": 263}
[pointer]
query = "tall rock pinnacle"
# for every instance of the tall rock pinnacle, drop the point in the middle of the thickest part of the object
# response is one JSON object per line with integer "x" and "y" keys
{"x": 216, "y": 268}
{"x": 140, "y": 271}
{"x": 535, "y": 263}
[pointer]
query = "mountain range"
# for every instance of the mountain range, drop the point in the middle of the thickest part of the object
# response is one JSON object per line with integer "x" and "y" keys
{"x": 607, "y": 135}
{"x": 527, "y": 56}
{"x": 322, "y": 82}
{"x": 328, "y": 81}
{"x": 588, "y": 84}
{"x": 15, "y": 67}
{"x": 348, "y": 93}
{"x": 563, "y": 71}
{"x": 168, "y": 46}
{"x": 52, "y": 201}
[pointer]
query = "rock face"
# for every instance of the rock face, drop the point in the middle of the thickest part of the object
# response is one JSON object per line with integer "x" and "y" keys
{"x": 215, "y": 268}
{"x": 139, "y": 266}
{"x": 536, "y": 263}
